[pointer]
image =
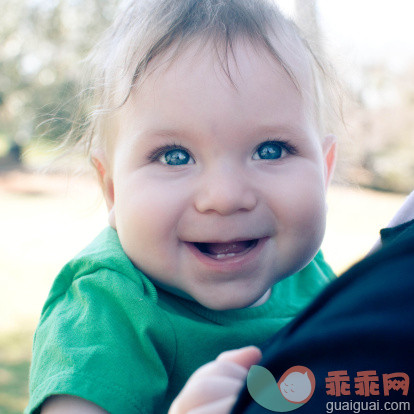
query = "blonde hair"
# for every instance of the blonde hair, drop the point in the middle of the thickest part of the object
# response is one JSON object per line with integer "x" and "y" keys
{"x": 146, "y": 29}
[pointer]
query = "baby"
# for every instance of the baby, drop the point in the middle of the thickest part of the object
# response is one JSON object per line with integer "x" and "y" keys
{"x": 209, "y": 142}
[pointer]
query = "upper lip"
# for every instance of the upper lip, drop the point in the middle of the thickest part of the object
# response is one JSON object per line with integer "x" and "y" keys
{"x": 226, "y": 241}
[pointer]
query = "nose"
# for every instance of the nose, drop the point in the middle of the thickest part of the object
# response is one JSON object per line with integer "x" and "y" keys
{"x": 225, "y": 191}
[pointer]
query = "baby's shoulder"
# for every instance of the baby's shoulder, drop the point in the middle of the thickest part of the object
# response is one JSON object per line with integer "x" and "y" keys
{"x": 103, "y": 268}
{"x": 104, "y": 254}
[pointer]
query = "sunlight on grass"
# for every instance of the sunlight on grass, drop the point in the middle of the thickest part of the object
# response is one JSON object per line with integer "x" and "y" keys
{"x": 15, "y": 354}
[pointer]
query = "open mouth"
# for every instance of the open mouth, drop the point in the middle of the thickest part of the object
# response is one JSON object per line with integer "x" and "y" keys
{"x": 220, "y": 251}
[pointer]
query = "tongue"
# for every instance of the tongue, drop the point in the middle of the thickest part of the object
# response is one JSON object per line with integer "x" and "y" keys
{"x": 226, "y": 248}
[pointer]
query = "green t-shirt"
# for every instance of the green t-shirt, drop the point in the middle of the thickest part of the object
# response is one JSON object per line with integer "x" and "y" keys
{"x": 109, "y": 335}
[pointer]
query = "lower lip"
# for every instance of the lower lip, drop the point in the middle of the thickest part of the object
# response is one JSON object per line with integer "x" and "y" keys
{"x": 229, "y": 264}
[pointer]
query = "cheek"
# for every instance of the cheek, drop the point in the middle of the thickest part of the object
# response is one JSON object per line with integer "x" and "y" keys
{"x": 309, "y": 215}
{"x": 299, "y": 204}
{"x": 312, "y": 206}
{"x": 146, "y": 217}
{"x": 148, "y": 209}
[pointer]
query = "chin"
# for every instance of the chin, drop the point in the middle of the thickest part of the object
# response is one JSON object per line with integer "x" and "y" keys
{"x": 223, "y": 306}
{"x": 229, "y": 304}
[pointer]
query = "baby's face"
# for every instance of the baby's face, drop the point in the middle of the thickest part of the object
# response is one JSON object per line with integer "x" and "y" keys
{"x": 217, "y": 191}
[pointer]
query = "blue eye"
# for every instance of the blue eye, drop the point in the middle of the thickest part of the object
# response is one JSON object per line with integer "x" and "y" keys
{"x": 171, "y": 154}
{"x": 176, "y": 156}
{"x": 269, "y": 151}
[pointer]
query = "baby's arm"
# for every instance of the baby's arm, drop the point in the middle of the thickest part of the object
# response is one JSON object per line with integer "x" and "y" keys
{"x": 67, "y": 404}
{"x": 214, "y": 388}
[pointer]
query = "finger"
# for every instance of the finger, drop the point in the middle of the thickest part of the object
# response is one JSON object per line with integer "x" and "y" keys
{"x": 245, "y": 357}
{"x": 223, "y": 406}
{"x": 223, "y": 368}
{"x": 217, "y": 380}
{"x": 203, "y": 391}
{"x": 212, "y": 388}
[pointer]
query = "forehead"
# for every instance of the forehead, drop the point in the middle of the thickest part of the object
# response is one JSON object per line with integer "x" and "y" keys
{"x": 284, "y": 53}
{"x": 197, "y": 93}
{"x": 240, "y": 65}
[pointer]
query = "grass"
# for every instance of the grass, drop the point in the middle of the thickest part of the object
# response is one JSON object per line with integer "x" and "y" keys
{"x": 15, "y": 354}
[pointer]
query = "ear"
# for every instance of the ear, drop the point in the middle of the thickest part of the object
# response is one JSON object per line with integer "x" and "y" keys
{"x": 100, "y": 162}
{"x": 329, "y": 150}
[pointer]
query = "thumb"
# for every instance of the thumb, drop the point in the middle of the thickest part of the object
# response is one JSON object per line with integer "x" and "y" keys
{"x": 246, "y": 357}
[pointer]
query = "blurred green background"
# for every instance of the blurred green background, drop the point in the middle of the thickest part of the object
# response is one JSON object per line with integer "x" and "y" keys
{"x": 46, "y": 218}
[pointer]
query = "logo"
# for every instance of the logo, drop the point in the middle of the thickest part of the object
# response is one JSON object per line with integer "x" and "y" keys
{"x": 294, "y": 389}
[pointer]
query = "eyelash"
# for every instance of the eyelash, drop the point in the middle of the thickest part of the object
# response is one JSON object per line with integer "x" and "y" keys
{"x": 158, "y": 152}
{"x": 289, "y": 148}
{"x": 155, "y": 155}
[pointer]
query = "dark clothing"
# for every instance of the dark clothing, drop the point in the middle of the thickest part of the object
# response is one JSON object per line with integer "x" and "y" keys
{"x": 364, "y": 321}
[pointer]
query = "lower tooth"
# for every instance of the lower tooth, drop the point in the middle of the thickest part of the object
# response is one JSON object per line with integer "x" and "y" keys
{"x": 222, "y": 256}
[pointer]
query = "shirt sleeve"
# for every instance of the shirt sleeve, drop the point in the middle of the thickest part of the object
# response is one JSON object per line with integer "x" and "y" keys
{"x": 104, "y": 341}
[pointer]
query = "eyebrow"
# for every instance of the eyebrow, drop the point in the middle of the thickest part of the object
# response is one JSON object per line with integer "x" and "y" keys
{"x": 164, "y": 133}
{"x": 269, "y": 129}
{"x": 260, "y": 129}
